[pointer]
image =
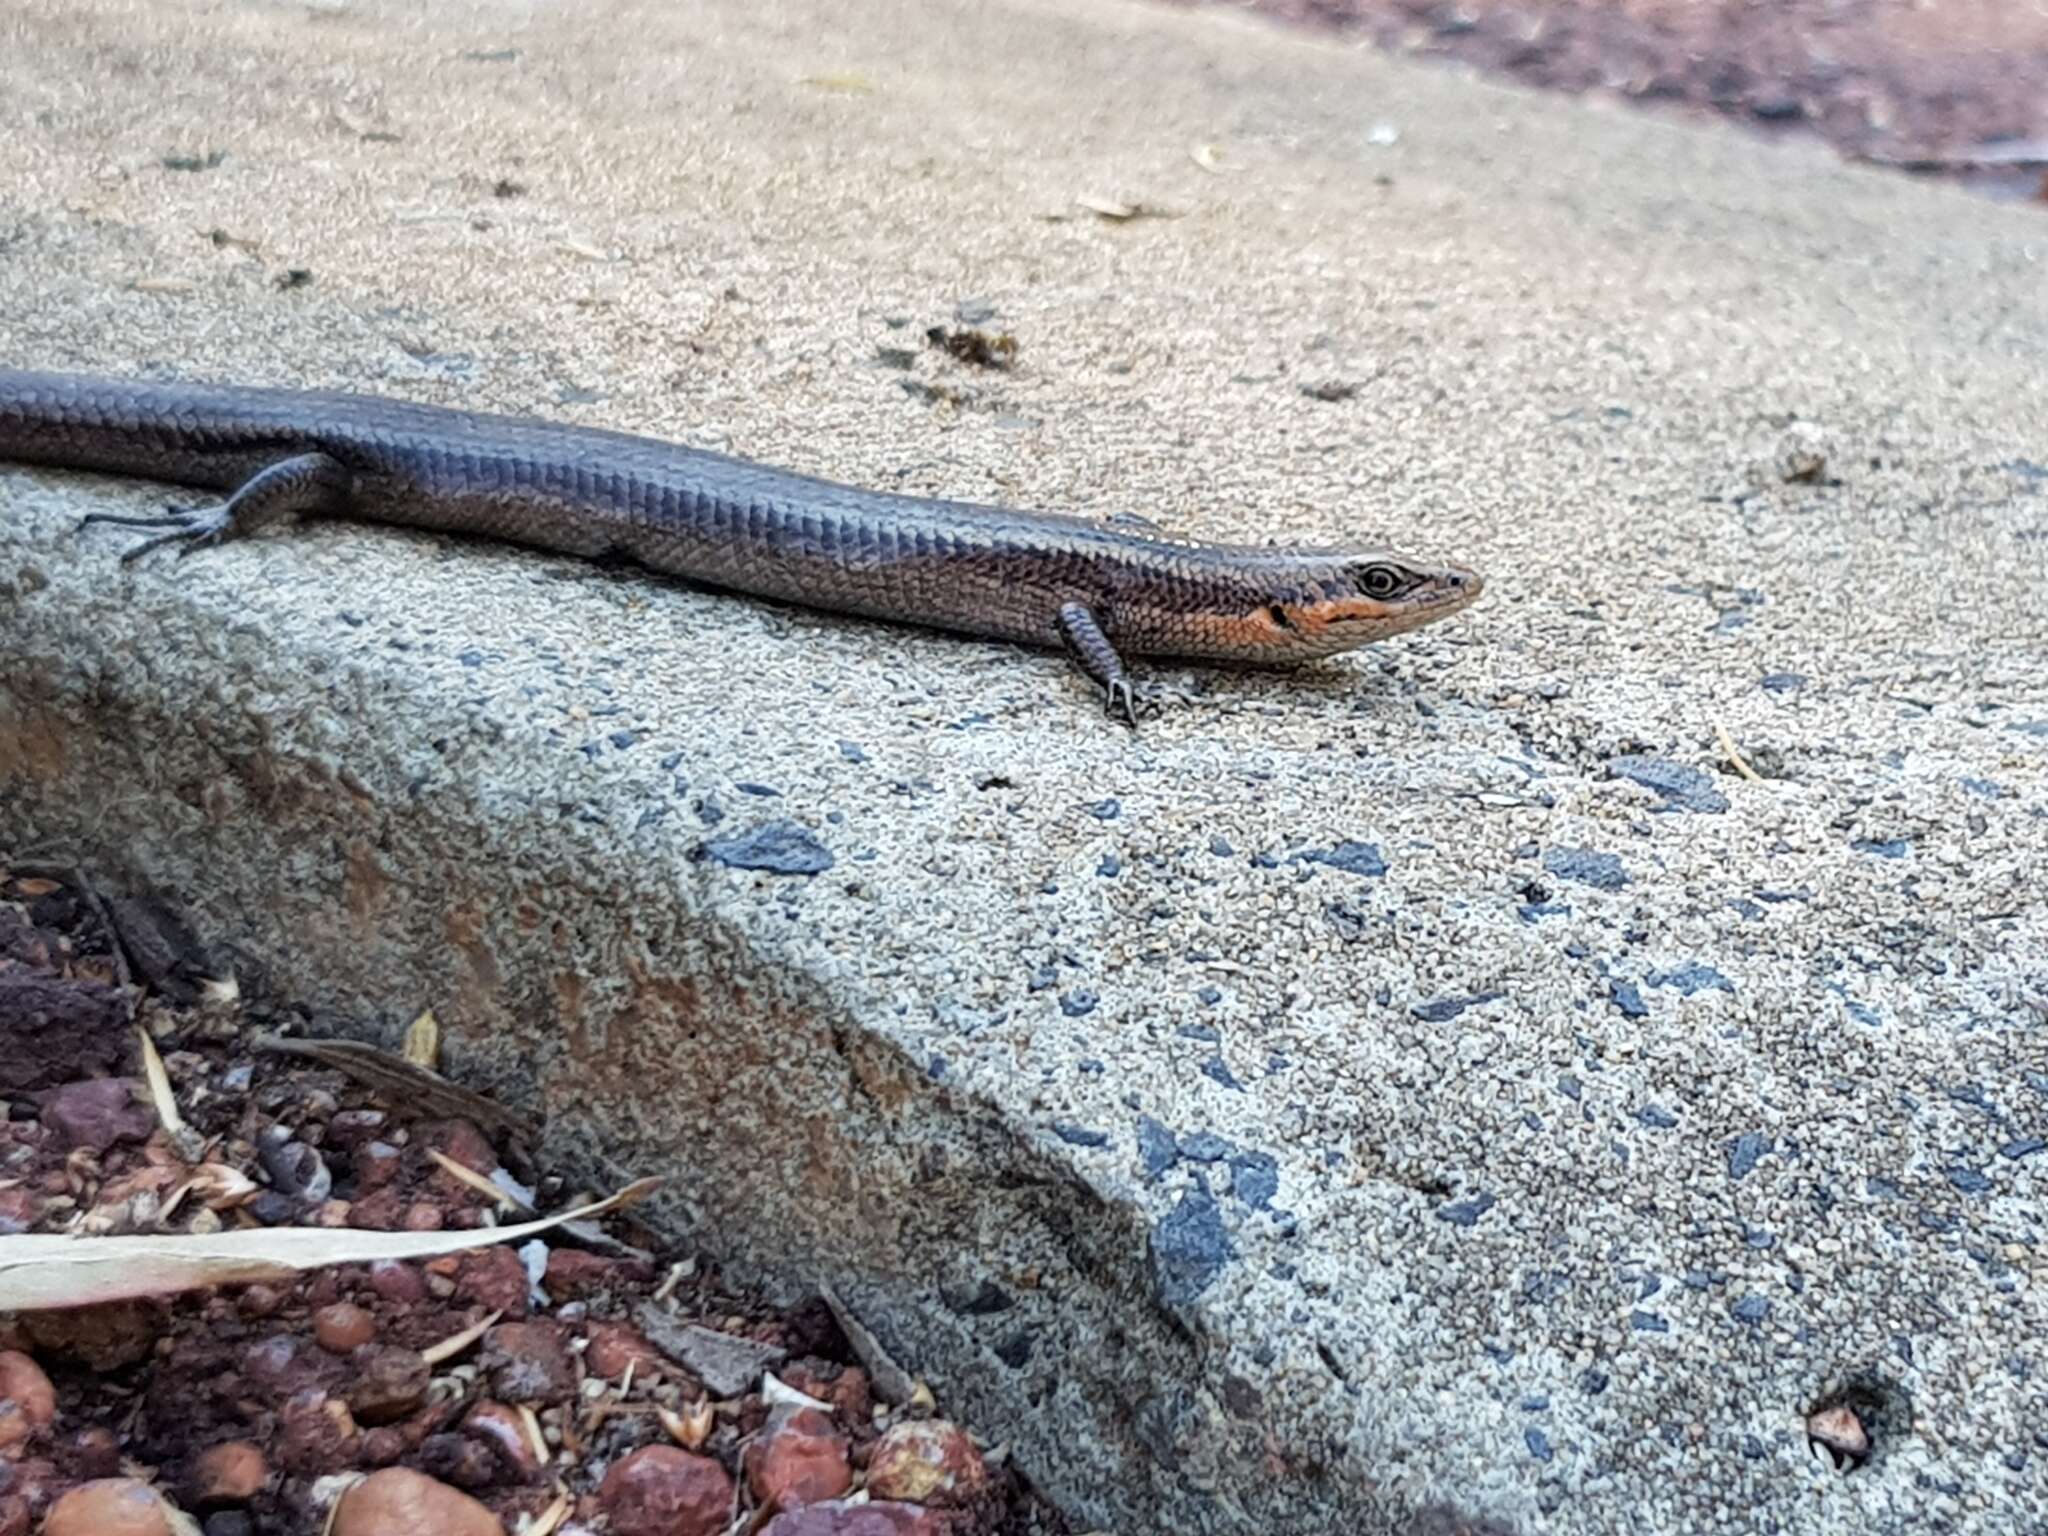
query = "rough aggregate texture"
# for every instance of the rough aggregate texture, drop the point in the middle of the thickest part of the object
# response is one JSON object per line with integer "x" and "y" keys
{"x": 1423, "y": 1114}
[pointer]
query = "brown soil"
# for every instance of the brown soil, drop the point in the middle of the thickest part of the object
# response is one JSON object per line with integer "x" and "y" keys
{"x": 1951, "y": 88}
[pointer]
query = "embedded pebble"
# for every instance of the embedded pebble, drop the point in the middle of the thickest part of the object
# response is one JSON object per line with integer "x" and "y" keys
{"x": 927, "y": 1461}
{"x": 232, "y": 1472}
{"x": 779, "y": 848}
{"x": 529, "y": 1362}
{"x": 343, "y": 1327}
{"x": 28, "y": 1402}
{"x": 875, "y": 1518}
{"x": 400, "y": 1502}
{"x": 98, "y": 1113}
{"x": 799, "y": 1457}
{"x": 662, "y": 1490}
{"x": 114, "y": 1506}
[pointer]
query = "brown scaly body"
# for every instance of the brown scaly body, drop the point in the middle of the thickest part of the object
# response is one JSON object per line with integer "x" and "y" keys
{"x": 1101, "y": 590}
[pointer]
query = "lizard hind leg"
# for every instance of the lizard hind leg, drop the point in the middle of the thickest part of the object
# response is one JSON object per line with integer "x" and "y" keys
{"x": 305, "y": 483}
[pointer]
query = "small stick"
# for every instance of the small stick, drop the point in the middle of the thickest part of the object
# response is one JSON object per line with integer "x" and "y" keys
{"x": 1728, "y": 746}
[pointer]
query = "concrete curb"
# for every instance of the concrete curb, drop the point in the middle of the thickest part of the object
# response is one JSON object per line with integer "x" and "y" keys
{"x": 1434, "y": 1077}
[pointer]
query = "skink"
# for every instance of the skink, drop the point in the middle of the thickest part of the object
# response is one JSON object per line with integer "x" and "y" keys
{"x": 1100, "y": 590}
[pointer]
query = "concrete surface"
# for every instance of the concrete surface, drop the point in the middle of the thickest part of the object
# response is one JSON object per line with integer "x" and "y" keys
{"x": 1555, "y": 1171}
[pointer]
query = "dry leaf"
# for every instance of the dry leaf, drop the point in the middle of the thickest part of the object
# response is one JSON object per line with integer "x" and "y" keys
{"x": 775, "y": 1392}
{"x": 400, "y": 1081}
{"x": 423, "y": 1042}
{"x": 159, "y": 1081}
{"x": 38, "y": 1271}
{"x": 475, "y": 1180}
{"x": 851, "y": 85}
{"x": 1120, "y": 212}
{"x": 1108, "y": 207}
{"x": 546, "y": 1522}
{"x": 690, "y": 1428}
{"x": 456, "y": 1343}
{"x": 1734, "y": 756}
{"x": 535, "y": 1439}
{"x": 333, "y": 1488}
{"x": 219, "y": 1186}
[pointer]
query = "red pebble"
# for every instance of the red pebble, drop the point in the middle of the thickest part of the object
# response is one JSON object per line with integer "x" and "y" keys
{"x": 397, "y": 1282}
{"x": 98, "y": 1112}
{"x": 575, "y": 1272}
{"x": 799, "y": 1458}
{"x": 503, "y": 1429}
{"x": 376, "y": 1166}
{"x": 20, "y": 1209}
{"x": 233, "y": 1472}
{"x": 873, "y": 1519}
{"x": 342, "y": 1327}
{"x": 461, "y": 1142}
{"x": 614, "y": 1346}
{"x": 529, "y": 1362}
{"x": 28, "y": 1402}
{"x": 491, "y": 1278}
{"x": 661, "y": 1490}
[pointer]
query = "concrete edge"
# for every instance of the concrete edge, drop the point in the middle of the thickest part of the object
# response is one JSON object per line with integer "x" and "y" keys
{"x": 332, "y": 829}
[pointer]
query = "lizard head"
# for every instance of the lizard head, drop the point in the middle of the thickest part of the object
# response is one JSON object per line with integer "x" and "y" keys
{"x": 1332, "y": 603}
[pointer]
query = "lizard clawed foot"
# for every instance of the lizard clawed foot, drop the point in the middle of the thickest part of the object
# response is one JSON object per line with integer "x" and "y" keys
{"x": 174, "y": 516}
{"x": 1120, "y": 695}
{"x": 193, "y": 528}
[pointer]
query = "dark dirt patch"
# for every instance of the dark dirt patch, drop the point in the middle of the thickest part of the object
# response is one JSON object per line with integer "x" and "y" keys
{"x": 1952, "y": 89}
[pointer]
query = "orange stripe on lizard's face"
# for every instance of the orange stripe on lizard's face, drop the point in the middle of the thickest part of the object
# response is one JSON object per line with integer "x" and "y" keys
{"x": 1298, "y": 626}
{"x": 1323, "y": 623}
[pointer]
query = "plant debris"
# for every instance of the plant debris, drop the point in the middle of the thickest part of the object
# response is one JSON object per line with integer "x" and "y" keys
{"x": 399, "y": 1079}
{"x": 975, "y": 347}
{"x": 301, "y": 1312}
{"x": 1836, "y": 1433}
{"x": 842, "y": 85}
{"x": 1117, "y": 211}
{"x": 1804, "y": 466}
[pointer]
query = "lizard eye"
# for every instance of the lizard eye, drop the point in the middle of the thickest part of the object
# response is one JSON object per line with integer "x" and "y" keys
{"x": 1380, "y": 581}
